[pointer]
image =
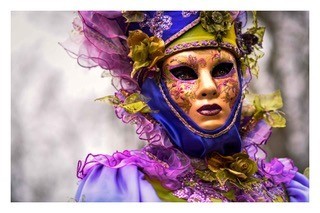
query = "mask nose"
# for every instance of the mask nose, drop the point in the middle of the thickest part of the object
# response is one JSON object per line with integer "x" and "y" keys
{"x": 207, "y": 87}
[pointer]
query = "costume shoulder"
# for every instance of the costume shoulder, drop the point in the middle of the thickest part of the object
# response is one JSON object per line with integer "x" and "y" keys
{"x": 104, "y": 183}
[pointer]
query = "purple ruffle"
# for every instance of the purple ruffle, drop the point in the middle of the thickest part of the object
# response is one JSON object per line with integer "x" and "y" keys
{"x": 163, "y": 164}
{"x": 255, "y": 138}
{"x": 99, "y": 39}
{"x": 279, "y": 170}
{"x": 146, "y": 128}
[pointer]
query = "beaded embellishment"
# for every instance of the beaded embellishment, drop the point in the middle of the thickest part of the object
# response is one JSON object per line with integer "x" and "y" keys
{"x": 196, "y": 190}
{"x": 204, "y": 43}
{"x": 158, "y": 23}
{"x": 186, "y": 14}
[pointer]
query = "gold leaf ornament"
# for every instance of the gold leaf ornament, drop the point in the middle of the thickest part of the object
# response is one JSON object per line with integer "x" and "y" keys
{"x": 133, "y": 16}
{"x": 237, "y": 169}
{"x": 111, "y": 99}
{"x": 266, "y": 107}
{"x": 145, "y": 51}
{"x": 243, "y": 167}
{"x": 134, "y": 103}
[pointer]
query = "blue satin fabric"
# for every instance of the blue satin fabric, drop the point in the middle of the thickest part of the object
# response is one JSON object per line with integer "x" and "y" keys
{"x": 298, "y": 188}
{"x": 126, "y": 184}
{"x": 177, "y": 20}
{"x": 189, "y": 142}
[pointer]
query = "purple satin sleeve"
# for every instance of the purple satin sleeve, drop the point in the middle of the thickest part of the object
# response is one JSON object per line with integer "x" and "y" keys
{"x": 125, "y": 184}
{"x": 298, "y": 188}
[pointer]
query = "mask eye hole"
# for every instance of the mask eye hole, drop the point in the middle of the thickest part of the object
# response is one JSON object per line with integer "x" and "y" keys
{"x": 222, "y": 69}
{"x": 184, "y": 73}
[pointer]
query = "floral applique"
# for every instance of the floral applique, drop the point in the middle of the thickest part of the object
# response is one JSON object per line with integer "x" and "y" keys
{"x": 216, "y": 22}
{"x": 145, "y": 51}
{"x": 235, "y": 178}
{"x": 237, "y": 169}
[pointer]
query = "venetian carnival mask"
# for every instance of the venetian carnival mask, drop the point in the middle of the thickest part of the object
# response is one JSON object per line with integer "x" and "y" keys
{"x": 204, "y": 83}
{"x": 180, "y": 75}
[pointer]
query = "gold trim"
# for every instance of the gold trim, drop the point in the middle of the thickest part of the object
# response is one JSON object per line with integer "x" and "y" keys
{"x": 183, "y": 30}
{"x": 203, "y": 44}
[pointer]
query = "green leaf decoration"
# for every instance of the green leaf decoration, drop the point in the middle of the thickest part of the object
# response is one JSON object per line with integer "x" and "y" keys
{"x": 268, "y": 102}
{"x": 109, "y": 99}
{"x": 251, "y": 61}
{"x": 206, "y": 175}
{"x": 133, "y": 16}
{"x": 256, "y": 29}
{"x": 134, "y": 103}
{"x": 275, "y": 119}
{"x": 163, "y": 193}
{"x": 266, "y": 107}
{"x": 222, "y": 177}
{"x": 236, "y": 173}
{"x": 230, "y": 195}
{"x": 216, "y": 22}
{"x": 136, "y": 107}
{"x": 215, "y": 200}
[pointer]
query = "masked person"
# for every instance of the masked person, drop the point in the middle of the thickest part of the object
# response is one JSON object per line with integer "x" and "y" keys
{"x": 182, "y": 78}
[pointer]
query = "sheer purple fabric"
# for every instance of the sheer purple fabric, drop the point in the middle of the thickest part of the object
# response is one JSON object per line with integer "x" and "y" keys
{"x": 280, "y": 170}
{"x": 121, "y": 177}
{"x": 163, "y": 164}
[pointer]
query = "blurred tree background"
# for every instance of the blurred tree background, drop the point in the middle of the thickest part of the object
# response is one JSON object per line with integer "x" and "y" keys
{"x": 55, "y": 121}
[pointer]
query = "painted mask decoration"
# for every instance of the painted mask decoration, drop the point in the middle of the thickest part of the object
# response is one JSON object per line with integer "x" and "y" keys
{"x": 204, "y": 83}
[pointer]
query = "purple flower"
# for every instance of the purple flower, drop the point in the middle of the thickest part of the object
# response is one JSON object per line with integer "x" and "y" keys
{"x": 279, "y": 170}
{"x": 255, "y": 138}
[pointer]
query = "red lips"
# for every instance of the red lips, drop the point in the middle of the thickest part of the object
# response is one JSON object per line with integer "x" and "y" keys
{"x": 209, "y": 110}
